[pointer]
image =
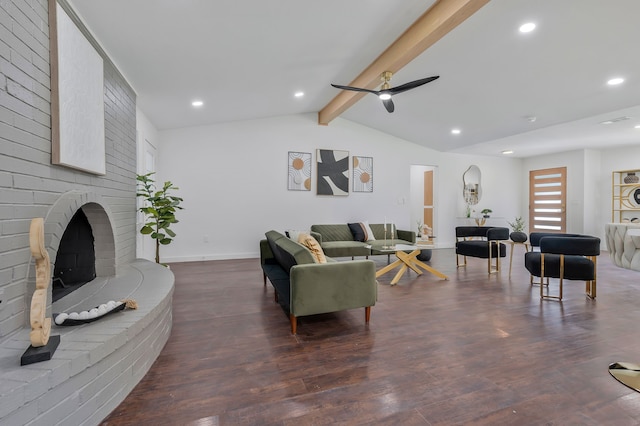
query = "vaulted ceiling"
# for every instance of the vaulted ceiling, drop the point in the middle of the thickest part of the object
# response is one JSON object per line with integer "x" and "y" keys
{"x": 533, "y": 93}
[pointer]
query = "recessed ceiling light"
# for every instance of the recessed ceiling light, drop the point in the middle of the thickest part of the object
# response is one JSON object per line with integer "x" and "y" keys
{"x": 299, "y": 94}
{"x": 637, "y": 126}
{"x": 527, "y": 28}
{"x": 507, "y": 152}
{"x": 615, "y": 81}
{"x": 615, "y": 120}
{"x": 455, "y": 131}
{"x": 197, "y": 103}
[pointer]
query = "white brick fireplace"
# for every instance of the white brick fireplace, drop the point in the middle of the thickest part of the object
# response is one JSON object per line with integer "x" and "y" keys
{"x": 97, "y": 364}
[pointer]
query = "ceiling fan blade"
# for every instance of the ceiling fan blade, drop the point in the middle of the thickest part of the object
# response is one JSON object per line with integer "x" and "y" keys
{"x": 412, "y": 85}
{"x": 355, "y": 89}
{"x": 388, "y": 104}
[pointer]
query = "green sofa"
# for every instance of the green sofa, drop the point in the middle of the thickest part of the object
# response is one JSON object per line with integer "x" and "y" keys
{"x": 304, "y": 287}
{"x": 337, "y": 240}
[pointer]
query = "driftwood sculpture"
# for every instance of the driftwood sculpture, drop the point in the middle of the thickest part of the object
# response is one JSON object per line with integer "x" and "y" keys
{"x": 40, "y": 326}
{"x": 42, "y": 346}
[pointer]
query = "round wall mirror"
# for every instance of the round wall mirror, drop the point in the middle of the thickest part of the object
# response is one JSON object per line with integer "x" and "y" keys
{"x": 472, "y": 189}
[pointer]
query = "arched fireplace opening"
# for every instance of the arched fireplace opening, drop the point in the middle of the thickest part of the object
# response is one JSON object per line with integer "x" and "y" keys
{"x": 75, "y": 263}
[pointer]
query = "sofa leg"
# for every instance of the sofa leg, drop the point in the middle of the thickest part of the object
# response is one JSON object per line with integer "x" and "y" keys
{"x": 264, "y": 278}
{"x": 367, "y": 314}
{"x": 294, "y": 323}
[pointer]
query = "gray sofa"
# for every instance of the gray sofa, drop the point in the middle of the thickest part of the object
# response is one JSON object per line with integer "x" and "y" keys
{"x": 337, "y": 240}
{"x": 304, "y": 287}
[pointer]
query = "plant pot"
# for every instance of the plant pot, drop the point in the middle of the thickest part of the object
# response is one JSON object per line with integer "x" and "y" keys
{"x": 518, "y": 237}
{"x": 424, "y": 255}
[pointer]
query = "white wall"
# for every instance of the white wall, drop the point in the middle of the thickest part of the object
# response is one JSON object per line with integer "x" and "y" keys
{"x": 233, "y": 178}
{"x": 594, "y": 217}
{"x": 500, "y": 191}
{"x": 588, "y": 183}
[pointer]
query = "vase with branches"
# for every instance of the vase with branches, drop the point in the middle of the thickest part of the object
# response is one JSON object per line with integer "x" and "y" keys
{"x": 159, "y": 209}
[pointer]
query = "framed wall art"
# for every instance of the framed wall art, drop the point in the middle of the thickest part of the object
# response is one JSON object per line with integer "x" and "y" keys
{"x": 77, "y": 96}
{"x": 333, "y": 172}
{"x": 362, "y": 174}
{"x": 299, "y": 174}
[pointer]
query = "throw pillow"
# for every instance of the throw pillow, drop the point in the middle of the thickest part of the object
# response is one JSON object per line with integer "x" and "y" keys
{"x": 367, "y": 228}
{"x": 294, "y": 234}
{"x": 314, "y": 247}
{"x": 359, "y": 234}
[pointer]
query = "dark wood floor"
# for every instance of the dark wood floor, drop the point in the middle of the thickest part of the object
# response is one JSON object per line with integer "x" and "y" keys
{"x": 476, "y": 349}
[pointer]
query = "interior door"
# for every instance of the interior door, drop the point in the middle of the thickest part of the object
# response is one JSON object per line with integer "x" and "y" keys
{"x": 145, "y": 244}
{"x": 548, "y": 200}
{"x": 428, "y": 198}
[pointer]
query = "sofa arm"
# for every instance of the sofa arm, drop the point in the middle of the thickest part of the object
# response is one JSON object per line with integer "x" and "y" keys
{"x": 331, "y": 287}
{"x": 266, "y": 255}
{"x": 407, "y": 235}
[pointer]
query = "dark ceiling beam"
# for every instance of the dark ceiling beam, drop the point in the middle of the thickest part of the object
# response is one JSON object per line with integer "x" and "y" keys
{"x": 442, "y": 17}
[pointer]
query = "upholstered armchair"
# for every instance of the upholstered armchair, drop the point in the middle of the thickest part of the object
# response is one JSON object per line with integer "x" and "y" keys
{"x": 535, "y": 237}
{"x": 564, "y": 256}
{"x": 483, "y": 242}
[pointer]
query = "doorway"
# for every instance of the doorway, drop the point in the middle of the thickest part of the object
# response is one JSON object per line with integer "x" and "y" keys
{"x": 145, "y": 246}
{"x": 423, "y": 196}
{"x": 548, "y": 200}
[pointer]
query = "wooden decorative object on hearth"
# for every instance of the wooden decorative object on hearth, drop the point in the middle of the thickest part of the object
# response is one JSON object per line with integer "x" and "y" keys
{"x": 42, "y": 344}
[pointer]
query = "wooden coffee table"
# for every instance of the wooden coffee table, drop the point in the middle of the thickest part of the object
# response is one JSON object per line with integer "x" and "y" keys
{"x": 407, "y": 260}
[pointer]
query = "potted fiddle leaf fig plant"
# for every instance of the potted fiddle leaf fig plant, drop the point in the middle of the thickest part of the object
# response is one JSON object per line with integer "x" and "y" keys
{"x": 159, "y": 210}
{"x": 517, "y": 226}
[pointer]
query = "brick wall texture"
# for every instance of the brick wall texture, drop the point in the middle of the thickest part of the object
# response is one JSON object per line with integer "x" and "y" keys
{"x": 29, "y": 183}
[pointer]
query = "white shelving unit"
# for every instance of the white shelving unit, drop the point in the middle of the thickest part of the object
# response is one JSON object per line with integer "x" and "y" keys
{"x": 625, "y": 200}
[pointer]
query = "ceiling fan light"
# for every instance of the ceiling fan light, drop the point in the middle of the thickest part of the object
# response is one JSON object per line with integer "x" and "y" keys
{"x": 528, "y": 27}
{"x": 384, "y": 96}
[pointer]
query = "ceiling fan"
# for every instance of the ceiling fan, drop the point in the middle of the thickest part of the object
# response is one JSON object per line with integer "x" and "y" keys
{"x": 386, "y": 92}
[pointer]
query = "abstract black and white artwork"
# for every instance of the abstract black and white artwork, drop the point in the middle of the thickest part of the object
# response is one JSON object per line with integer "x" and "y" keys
{"x": 333, "y": 172}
